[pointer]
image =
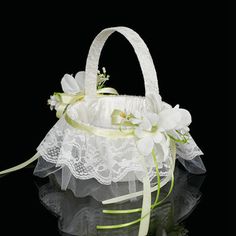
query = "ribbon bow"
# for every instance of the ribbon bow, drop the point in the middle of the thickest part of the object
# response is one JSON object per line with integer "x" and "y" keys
{"x": 73, "y": 89}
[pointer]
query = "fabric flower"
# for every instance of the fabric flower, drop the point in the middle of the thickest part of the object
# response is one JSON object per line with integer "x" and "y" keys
{"x": 74, "y": 89}
{"x": 147, "y": 132}
{"x": 174, "y": 119}
{"x": 53, "y": 102}
{"x": 71, "y": 85}
{"x": 152, "y": 128}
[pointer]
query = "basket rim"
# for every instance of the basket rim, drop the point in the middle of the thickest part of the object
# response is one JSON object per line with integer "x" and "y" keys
{"x": 100, "y": 131}
{"x": 102, "y": 97}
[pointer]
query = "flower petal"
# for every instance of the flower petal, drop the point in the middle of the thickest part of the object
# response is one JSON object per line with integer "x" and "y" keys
{"x": 169, "y": 118}
{"x": 145, "y": 145}
{"x": 146, "y": 124}
{"x": 166, "y": 148}
{"x": 153, "y": 118}
{"x": 157, "y": 137}
{"x": 139, "y": 133}
{"x": 186, "y": 119}
{"x": 69, "y": 84}
{"x": 80, "y": 79}
{"x": 162, "y": 150}
{"x": 135, "y": 121}
{"x": 137, "y": 114}
{"x": 159, "y": 152}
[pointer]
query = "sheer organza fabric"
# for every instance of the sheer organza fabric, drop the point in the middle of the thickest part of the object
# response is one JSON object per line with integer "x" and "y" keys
{"x": 79, "y": 216}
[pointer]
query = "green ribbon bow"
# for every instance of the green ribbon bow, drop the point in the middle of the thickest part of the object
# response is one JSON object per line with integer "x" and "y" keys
{"x": 64, "y": 99}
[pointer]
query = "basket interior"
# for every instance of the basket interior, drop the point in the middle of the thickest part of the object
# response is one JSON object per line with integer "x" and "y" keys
{"x": 97, "y": 112}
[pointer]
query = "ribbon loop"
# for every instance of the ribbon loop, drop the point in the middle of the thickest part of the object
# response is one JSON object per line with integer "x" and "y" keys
{"x": 64, "y": 99}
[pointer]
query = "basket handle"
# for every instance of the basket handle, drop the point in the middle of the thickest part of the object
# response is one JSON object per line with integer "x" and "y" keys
{"x": 141, "y": 50}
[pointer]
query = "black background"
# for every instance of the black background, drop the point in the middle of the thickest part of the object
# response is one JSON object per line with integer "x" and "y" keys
{"x": 40, "y": 45}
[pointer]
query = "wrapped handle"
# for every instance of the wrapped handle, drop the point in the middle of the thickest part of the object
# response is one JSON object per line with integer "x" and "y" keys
{"x": 141, "y": 50}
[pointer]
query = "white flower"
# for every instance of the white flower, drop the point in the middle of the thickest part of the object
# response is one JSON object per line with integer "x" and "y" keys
{"x": 152, "y": 128}
{"x": 174, "y": 119}
{"x": 71, "y": 85}
{"x": 53, "y": 102}
{"x": 147, "y": 132}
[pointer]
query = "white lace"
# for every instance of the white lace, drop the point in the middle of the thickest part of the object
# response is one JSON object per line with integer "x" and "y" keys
{"x": 90, "y": 156}
{"x": 107, "y": 160}
{"x": 189, "y": 150}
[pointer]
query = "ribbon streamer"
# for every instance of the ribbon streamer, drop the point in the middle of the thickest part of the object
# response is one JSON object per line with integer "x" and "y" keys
{"x": 21, "y": 166}
{"x": 146, "y": 205}
{"x": 146, "y": 208}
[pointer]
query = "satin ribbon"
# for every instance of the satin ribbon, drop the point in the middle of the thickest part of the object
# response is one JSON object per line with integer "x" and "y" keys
{"x": 146, "y": 204}
{"x": 21, "y": 166}
{"x": 64, "y": 99}
{"x": 146, "y": 208}
{"x": 103, "y": 132}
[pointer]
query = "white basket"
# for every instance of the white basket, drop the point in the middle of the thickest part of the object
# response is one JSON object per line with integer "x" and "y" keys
{"x": 86, "y": 144}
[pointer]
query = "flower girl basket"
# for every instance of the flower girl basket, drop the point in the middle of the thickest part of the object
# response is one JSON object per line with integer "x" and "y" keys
{"x": 116, "y": 147}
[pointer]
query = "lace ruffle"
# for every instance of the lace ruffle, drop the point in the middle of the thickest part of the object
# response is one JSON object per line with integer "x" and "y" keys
{"x": 107, "y": 160}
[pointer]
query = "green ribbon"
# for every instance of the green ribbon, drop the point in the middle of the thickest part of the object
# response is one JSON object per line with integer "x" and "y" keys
{"x": 20, "y": 166}
{"x": 156, "y": 202}
{"x": 64, "y": 99}
{"x": 103, "y": 132}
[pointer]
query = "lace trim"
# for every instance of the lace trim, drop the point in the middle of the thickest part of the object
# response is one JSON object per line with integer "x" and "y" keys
{"x": 88, "y": 156}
